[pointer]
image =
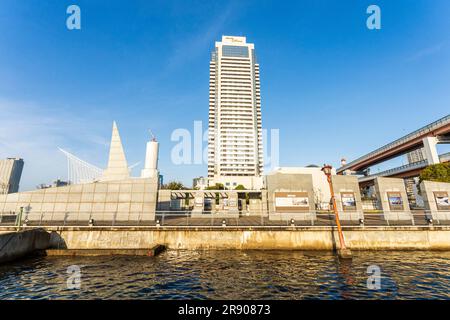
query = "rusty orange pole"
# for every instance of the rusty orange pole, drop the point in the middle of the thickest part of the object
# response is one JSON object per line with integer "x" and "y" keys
{"x": 343, "y": 252}
{"x": 336, "y": 215}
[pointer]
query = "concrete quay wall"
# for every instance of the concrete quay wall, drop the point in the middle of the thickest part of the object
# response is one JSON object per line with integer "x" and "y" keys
{"x": 287, "y": 238}
{"x": 15, "y": 245}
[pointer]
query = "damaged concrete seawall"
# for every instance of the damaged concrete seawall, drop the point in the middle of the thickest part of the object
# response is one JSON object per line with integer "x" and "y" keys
{"x": 15, "y": 245}
{"x": 298, "y": 238}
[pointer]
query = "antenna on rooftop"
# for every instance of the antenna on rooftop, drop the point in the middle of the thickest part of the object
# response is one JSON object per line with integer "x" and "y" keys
{"x": 152, "y": 135}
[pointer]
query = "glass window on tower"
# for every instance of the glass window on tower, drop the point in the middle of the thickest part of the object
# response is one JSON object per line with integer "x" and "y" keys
{"x": 235, "y": 51}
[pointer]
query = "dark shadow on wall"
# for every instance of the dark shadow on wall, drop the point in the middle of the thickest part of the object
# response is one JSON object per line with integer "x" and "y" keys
{"x": 57, "y": 241}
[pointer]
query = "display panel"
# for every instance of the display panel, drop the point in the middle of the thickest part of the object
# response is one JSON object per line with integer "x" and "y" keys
{"x": 442, "y": 202}
{"x": 291, "y": 201}
{"x": 348, "y": 201}
{"x": 395, "y": 201}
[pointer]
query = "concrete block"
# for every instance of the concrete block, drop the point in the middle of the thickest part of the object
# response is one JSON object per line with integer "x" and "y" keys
{"x": 51, "y": 190}
{"x": 122, "y": 216}
{"x": 57, "y": 215}
{"x": 72, "y": 216}
{"x": 126, "y": 188}
{"x": 25, "y": 197}
{"x": 85, "y": 207}
{"x": 148, "y": 208}
{"x": 48, "y": 206}
{"x": 137, "y": 197}
{"x": 33, "y": 216}
{"x": 76, "y": 188}
{"x": 33, "y": 206}
{"x": 49, "y": 197}
{"x": 101, "y": 188}
{"x": 88, "y": 188}
{"x": 74, "y": 197}
{"x": 136, "y": 207}
{"x": 84, "y": 216}
{"x": 73, "y": 207}
{"x": 98, "y": 207}
{"x": 13, "y": 197}
{"x": 111, "y": 206}
{"x": 435, "y": 196}
{"x": 10, "y": 206}
{"x": 113, "y": 187}
{"x": 149, "y": 197}
{"x": 87, "y": 197}
{"x": 151, "y": 188}
{"x": 60, "y": 207}
{"x": 37, "y": 197}
{"x": 65, "y": 189}
{"x": 112, "y": 197}
{"x": 138, "y": 188}
{"x": 124, "y": 197}
{"x": 124, "y": 207}
{"x": 62, "y": 197}
{"x": 99, "y": 197}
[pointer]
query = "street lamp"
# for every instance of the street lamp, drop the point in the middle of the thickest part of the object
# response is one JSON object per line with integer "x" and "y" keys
{"x": 343, "y": 252}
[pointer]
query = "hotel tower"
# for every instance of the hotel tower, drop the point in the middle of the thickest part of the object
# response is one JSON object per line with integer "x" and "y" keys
{"x": 235, "y": 154}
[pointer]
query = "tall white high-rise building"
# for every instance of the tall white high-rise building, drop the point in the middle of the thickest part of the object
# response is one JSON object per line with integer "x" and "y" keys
{"x": 235, "y": 154}
{"x": 10, "y": 174}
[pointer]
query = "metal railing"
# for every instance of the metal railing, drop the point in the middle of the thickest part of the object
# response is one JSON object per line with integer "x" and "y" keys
{"x": 389, "y": 172}
{"x": 171, "y": 219}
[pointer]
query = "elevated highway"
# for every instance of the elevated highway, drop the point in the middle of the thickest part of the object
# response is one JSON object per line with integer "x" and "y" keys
{"x": 426, "y": 137}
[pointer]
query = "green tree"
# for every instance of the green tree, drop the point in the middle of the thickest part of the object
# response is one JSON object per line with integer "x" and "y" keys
{"x": 437, "y": 172}
{"x": 174, "y": 185}
{"x": 240, "y": 187}
{"x": 217, "y": 186}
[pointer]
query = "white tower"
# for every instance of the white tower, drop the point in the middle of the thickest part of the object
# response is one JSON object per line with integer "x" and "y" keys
{"x": 235, "y": 154}
{"x": 151, "y": 159}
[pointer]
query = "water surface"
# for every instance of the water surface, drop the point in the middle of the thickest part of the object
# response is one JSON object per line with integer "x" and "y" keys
{"x": 231, "y": 275}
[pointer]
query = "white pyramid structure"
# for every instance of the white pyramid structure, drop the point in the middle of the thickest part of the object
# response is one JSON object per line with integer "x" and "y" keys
{"x": 117, "y": 164}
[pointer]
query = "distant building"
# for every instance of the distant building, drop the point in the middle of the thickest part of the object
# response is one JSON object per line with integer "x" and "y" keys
{"x": 199, "y": 183}
{"x": 235, "y": 154}
{"x": 10, "y": 174}
{"x": 415, "y": 156}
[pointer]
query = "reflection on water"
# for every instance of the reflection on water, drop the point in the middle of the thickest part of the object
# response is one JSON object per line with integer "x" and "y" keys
{"x": 232, "y": 275}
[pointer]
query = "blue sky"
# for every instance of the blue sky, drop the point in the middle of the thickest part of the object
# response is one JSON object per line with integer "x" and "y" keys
{"x": 332, "y": 87}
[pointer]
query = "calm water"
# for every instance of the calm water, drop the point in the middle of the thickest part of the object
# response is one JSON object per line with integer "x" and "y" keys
{"x": 231, "y": 275}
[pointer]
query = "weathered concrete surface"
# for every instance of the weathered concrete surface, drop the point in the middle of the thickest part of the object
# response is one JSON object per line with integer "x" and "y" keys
{"x": 151, "y": 252}
{"x": 383, "y": 187}
{"x": 286, "y": 238}
{"x": 14, "y": 245}
{"x": 428, "y": 190}
{"x": 132, "y": 199}
{"x": 290, "y": 182}
{"x": 347, "y": 184}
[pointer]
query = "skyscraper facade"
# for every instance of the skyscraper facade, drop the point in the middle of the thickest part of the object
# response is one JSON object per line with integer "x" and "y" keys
{"x": 235, "y": 154}
{"x": 10, "y": 174}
